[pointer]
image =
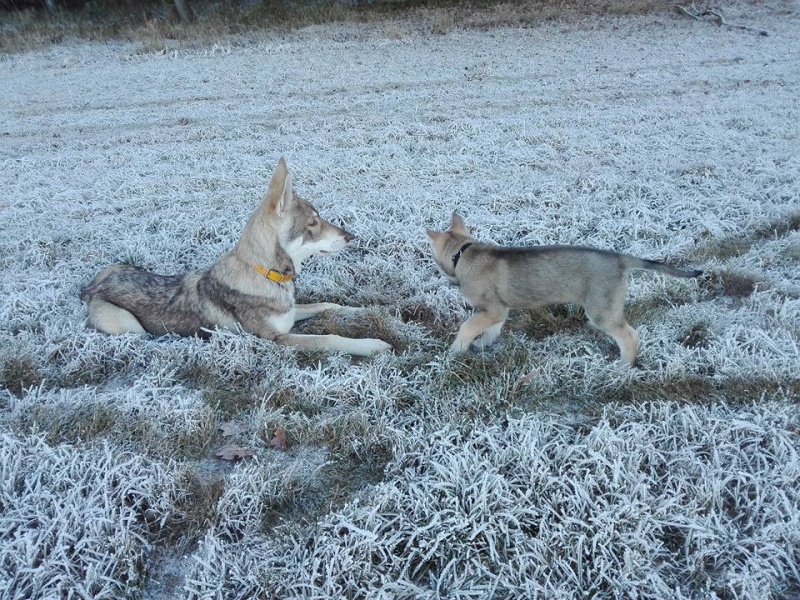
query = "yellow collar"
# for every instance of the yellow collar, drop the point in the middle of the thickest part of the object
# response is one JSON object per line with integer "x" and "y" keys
{"x": 273, "y": 275}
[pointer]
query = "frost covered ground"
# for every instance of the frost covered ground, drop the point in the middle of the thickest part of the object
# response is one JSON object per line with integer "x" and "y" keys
{"x": 540, "y": 469}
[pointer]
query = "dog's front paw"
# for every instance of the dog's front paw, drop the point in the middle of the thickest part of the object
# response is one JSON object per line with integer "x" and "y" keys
{"x": 371, "y": 346}
{"x": 330, "y": 306}
{"x": 344, "y": 310}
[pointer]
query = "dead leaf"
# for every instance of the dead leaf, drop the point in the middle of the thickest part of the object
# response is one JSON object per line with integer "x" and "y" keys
{"x": 234, "y": 452}
{"x": 231, "y": 428}
{"x": 278, "y": 440}
{"x": 529, "y": 378}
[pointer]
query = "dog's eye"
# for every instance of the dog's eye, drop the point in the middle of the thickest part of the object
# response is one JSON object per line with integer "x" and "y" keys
{"x": 314, "y": 223}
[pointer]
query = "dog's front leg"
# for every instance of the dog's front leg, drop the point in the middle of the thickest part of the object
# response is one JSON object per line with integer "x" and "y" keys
{"x": 474, "y": 326}
{"x": 335, "y": 343}
{"x": 306, "y": 311}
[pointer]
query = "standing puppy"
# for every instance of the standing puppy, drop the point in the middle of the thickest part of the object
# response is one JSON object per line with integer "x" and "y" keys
{"x": 251, "y": 286}
{"x": 494, "y": 279}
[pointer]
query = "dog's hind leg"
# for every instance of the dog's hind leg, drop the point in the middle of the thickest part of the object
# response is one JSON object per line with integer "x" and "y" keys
{"x": 483, "y": 321}
{"x": 110, "y": 318}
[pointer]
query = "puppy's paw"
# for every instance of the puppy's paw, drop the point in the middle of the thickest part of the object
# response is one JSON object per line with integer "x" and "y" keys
{"x": 477, "y": 348}
{"x": 458, "y": 347}
{"x": 480, "y": 344}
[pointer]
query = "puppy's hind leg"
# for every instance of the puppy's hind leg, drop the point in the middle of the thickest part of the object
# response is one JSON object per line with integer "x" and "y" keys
{"x": 628, "y": 341}
{"x": 605, "y": 309}
{"x": 110, "y": 318}
{"x": 626, "y": 337}
{"x": 482, "y": 322}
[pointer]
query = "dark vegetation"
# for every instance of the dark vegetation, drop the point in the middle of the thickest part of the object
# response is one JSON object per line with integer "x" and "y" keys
{"x": 26, "y": 24}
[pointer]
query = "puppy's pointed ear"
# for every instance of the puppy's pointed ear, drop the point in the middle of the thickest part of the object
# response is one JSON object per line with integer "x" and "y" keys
{"x": 280, "y": 195}
{"x": 457, "y": 225}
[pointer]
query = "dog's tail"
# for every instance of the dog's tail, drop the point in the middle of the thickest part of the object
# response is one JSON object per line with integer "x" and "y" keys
{"x": 631, "y": 262}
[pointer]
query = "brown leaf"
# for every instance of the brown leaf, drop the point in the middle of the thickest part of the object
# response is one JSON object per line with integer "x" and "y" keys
{"x": 234, "y": 452}
{"x": 278, "y": 440}
{"x": 231, "y": 428}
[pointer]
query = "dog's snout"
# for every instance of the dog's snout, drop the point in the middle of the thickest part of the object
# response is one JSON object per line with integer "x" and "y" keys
{"x": 348, "y": 237}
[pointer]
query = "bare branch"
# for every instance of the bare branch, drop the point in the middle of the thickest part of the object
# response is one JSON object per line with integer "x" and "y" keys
{"x": 716, "y": 14}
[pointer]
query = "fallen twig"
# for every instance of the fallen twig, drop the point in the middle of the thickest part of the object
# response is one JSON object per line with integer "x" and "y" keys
{"x": 715, "y": 13}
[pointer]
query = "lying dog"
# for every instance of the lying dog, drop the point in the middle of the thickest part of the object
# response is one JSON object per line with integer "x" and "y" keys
{"x": 251, "y": 286}
{"x": 494, "y": 279}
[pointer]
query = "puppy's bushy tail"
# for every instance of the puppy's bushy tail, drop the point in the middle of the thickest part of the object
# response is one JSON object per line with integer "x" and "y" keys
{"x": 631, "y": 262}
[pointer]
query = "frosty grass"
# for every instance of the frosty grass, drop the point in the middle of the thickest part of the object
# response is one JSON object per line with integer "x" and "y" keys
{"x": 541, "y": 469}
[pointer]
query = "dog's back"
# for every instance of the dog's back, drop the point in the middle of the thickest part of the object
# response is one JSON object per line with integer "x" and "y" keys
{"x": 160, "y": 303}
{"x": 529, "y": 277}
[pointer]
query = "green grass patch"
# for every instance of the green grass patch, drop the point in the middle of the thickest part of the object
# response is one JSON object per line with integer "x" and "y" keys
{"x": 469, "y": 369}
{"x": 696, "y": 336}
{"x": 339, "y": 481}
{"x": 289, "y": 400}
{"x": 19, "y": 373}
{"x": 196, "y": 508}
{"x": 544, "y": 322}
{"x": 575, "y": 395}
{"x": 86, "y": 423}
{"x": 703, "y": 390}
{"x": 228, "y": 401}
{"x": 726, "y": 248}
{"x": 80, "y": 425}
{"x": 731, "y": 283}
{"x": 439, "y": 325}
{"x": 780, "y": 227}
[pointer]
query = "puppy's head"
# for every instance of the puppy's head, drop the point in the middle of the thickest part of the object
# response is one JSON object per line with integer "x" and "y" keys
{"x": 301, "y": 231}
{"x": 446, "y": 244}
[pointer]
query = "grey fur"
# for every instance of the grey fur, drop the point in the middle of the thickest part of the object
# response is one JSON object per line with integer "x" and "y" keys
{"x": 282, "y": 232}
{"x": 495, "y": 279}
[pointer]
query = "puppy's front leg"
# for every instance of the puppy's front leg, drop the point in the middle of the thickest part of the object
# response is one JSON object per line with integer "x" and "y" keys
{"x": 488, "y": 337}
{"x": 473, "y": 327}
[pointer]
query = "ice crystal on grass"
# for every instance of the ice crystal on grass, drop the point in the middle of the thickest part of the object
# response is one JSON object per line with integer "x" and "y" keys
{"x": 77, "y": 522}
{"x": 654, "y": 501}
{"x": 539, "y": 468}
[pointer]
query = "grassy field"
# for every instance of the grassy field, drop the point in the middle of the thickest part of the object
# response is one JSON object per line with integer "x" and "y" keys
{"x": 539, "y": 469}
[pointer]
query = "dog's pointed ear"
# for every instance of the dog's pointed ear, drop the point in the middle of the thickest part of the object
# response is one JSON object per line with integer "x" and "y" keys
{"x": 457, "y": 225}
{"x": 434, "y": 236}
{"x": 280, "y": 194}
